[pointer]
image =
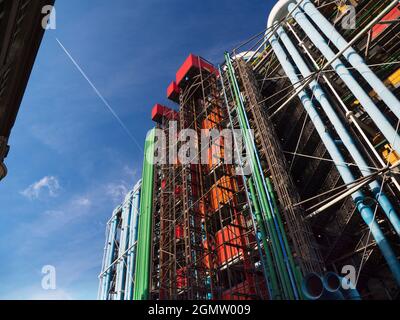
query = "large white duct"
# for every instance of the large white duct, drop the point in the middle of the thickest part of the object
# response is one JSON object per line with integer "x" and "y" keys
{"x": 279, "y": 11}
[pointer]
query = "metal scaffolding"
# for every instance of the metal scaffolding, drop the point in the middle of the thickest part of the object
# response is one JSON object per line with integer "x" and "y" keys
{"x": 317, "y": 113}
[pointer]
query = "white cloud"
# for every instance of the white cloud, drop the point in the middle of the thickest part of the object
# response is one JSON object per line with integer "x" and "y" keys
{"x": 48, "y": 183}
{"x": 82, "y": 202}
{"x": 130, "y": 172}
{"x": 117, "y": 191}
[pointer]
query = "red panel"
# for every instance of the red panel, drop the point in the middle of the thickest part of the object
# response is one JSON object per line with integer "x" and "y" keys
{"x": 173, "y": 92}
{"x": 228, "y": 242}
{"x": 178, "y": 190}
{"x": 159, "y": 112}
{"x": 179, "y": 231}
{"x": 392, "y": 15}
{"x": 206, "y": 260}
{"x": 192, "y": 63}
{"x": 181, "y": 279}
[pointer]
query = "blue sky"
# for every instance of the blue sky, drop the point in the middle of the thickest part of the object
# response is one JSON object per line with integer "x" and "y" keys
{"x": 71, "y": 162}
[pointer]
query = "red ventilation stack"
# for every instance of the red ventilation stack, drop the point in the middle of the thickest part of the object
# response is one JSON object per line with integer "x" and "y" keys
{"x": 173, "y": 92}
{"x": 161, "y": 112}
{"x": 191, "y": 67}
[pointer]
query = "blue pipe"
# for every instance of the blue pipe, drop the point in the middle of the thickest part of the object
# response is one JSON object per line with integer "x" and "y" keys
{"x": 312, "y": 286}
{"x": 341, "y": 130}
{"x": 123, "y": 246}
{"x": 332, "y": 284}
{"x": 316, "y": 288}
{"x": 352, "y": 56}
{"x": 132, "y": 239}
{"x": 110, "y": 255}
{"x": 351, "y": 293}
{"x": 345, "y": 173}
{"x": 380, "y": 120}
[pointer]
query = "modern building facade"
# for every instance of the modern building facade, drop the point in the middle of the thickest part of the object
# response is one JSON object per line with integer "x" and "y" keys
{"x": 316, "y": 99}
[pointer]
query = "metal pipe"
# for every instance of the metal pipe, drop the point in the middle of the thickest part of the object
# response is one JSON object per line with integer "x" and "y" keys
{"x": 256, "y": 172}
{"x": 358, "y": 197}
{"x": 297, "y": 275}
{"x": 281, "y": 256}
{"x": 110, "y": 257}
{"x": 312, "y": 286}
{"x": 338, "y": 199}
{"x": 351, "y": 293}
{"x": 315, "y": 287}
{"x": 123, "y": 244}
{"x": 341, "y": 131}
{"x": 131, "y": 254}
{"x": 351, "y": 55}
{"x": 349, "y": 114}
{"x": 380, "y": 120}
{"x": 330, "y": 62}
{"x": 142, "y": 269}
{"x": 264, "y": 239}
{"x": 256, "y": 218}
{"x": 332, "y": 284}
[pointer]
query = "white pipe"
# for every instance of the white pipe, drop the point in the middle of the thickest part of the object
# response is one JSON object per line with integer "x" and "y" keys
{"x": 354, "y": 40}
{"x": 349, "y": 114}
{"x": 352, "y": 56}
{"x": 278, "y": 12}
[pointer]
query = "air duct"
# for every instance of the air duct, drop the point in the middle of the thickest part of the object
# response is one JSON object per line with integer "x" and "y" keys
{"x": 341, "y": 130}
{"x": 312, "y": 287}
{"x": 358, "y": 197}
{"x": 376, "y": 115}
{"x": 351, "y": 55}
{"x": 332, "y": 284}
{"x": 110, "y": 253}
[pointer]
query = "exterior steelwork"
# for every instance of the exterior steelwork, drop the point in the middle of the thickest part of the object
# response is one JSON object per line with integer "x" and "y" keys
{"x": 317, "y": 105}
{"x": 359, "y": 198}
{"x": 118, "y": 270}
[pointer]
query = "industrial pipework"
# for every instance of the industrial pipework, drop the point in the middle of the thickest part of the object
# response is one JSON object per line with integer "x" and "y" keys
{"x": 131, "y": 251}
{"x": 351, "y": 55}
{"x": 120, "y": 250}
{"x": 283, "y": 263}
{"x": 341, "y": 130}
{"x": 142, "y": 269}
{"x": 370, "y": 107}
{"x": 282, "y": 8}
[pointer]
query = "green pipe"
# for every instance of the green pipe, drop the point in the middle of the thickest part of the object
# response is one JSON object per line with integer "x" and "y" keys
{"x": 286, "y": 286}
{"x": 285, "y": 240}
{"x": 260, "y": 222}
{"x": 262, "y": 196}
{"x": 142, "y": 273}
{"x": 299, "y": 279}
{"x": 296, "y": 269}
{"x": 268, "y": 218}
